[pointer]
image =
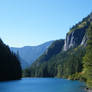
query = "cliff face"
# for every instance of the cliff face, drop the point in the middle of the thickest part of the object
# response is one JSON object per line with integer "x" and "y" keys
{"x": 84, "y": 41}
{"x": 75, "y": 39}
{"x": 77, "y": 35}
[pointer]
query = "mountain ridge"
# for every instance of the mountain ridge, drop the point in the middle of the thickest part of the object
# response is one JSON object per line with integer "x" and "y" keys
{"x": 28, "y": 54}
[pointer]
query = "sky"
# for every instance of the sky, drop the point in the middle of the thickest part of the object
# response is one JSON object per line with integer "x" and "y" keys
{"x": 33, "y": 22}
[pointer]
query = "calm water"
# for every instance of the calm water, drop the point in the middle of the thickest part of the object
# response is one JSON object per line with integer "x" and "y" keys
{"x": 42, "y": 85}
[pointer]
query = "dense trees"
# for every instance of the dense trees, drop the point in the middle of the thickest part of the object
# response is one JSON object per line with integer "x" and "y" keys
{"x": 10, "y": 68}
{"x": 62, "y": 64}
{"x": 88, "y": 58}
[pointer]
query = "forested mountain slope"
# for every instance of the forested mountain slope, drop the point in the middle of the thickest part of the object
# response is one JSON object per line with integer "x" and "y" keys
{"x": 10, "y": 68}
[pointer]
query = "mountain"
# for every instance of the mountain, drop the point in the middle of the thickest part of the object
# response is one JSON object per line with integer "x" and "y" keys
{"x": 52, "y": 51}
{"x": 29, "y": 54}
{"x": 64, "y": 58}
{"x": 10, "y": 68}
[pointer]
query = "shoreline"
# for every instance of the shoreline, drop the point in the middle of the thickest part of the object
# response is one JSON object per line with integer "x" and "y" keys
{"x": 88, "y": 89}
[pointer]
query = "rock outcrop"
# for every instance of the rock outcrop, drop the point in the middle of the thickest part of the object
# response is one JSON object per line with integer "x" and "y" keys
{"x": 77, "y": 35}
{"x": 75, "y": 39}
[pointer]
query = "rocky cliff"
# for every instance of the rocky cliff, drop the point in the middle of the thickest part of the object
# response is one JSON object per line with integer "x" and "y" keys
{"x": 77, "y": 34}
{"x": 75, "y": 39}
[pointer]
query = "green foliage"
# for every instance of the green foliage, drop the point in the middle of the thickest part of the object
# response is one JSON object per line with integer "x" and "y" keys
{"x": 59, "y": 71}
{"x": 82, "y": 25}
{"x": 77, "y": 76}
{"x": 10, "y": 68}
{"x": 26, "y": 73}
{"x": 88, "y": 59}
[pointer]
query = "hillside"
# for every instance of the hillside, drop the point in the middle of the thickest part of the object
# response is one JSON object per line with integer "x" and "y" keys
{"x": 29, "y": 54}
{"x": 64, "y": 58}
{"x": 10, "y": 68}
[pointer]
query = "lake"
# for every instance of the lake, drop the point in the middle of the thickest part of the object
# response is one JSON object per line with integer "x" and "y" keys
{"x": 42, "y": 85}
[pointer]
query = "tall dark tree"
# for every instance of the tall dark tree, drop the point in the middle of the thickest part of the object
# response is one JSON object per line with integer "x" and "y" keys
{"x": 10, "y": 68}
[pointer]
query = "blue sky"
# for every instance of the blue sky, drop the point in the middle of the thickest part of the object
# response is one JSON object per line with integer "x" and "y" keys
{"x": 33, "y": 22}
